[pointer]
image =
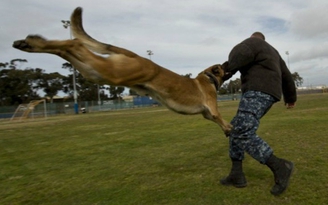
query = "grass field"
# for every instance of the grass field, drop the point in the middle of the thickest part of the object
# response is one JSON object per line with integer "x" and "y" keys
{"x": 153, "y": 156}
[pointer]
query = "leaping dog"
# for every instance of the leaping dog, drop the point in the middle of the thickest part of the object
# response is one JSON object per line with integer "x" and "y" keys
{"x": 125, "y": 68}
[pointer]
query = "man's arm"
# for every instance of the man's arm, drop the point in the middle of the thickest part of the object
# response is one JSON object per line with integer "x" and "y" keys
{"x": 288, "y": 85}
{"x": 240, "y": 56}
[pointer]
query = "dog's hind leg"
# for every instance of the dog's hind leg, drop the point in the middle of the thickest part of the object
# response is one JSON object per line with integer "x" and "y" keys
{"x": 37, "y": 44}
{"x": 117, "y": 69}
{"x": 90, "y": 65}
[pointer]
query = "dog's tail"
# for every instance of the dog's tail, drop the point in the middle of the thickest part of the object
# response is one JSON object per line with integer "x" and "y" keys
{"x": 91, "y": 43}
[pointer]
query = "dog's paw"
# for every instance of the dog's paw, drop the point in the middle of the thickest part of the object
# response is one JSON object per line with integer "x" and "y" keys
{"x": 227, "y": 129}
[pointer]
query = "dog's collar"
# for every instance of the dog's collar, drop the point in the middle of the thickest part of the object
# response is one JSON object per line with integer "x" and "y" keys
{"x": 213, "y": 80}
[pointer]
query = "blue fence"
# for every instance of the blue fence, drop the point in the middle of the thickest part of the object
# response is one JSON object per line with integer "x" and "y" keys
{"x": 140, "y": 101}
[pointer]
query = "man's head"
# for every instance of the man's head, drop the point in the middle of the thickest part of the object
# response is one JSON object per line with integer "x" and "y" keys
{"x": 258, "y": 35}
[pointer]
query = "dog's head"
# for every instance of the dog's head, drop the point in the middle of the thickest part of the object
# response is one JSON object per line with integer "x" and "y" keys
{"x": 217, "y": 74}
{"x": 216, "y": 70}
{"x": 219, "y": 71}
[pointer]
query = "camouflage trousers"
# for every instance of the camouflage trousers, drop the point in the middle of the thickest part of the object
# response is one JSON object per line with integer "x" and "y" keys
{"x": 243, "y": 138}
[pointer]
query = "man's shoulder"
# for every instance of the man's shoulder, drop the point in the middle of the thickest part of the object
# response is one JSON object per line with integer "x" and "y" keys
{"x": 255, "y": 41}
{"x": 257, "y": 45}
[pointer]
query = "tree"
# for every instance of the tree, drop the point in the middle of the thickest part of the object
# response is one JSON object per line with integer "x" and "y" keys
{"x": 297, "y": 79}
{"x": 51, "y": 83}
{"x": 67, "y": 66}
{"x": 3, "y": 65}
{"x": 234, "y": 86}
{"x": 188, "y": 75}
{"x": 13, "y": 63}
{"x": 223, "y": 89}
{"x": 87, "y": 91}
{"x": 115, "y": 92}
{"x": 17, "y": 86}
{"x": 133, "y": 92}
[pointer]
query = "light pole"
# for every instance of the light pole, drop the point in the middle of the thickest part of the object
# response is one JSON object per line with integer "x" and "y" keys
{"x": 287, "y": 53}
{"x": 99, "y": 101}
{"x": 150, "y": 53}
{"x": 66, "y": 25}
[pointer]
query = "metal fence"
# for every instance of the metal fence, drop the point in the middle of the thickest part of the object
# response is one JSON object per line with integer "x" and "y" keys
{"x": 62, "y": 108}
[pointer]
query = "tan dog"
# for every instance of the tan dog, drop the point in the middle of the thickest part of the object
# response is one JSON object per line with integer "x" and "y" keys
{"x": 125, "y": 68}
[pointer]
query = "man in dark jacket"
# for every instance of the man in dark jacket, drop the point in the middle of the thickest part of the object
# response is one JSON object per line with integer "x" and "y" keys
{"x": 264, "y": 79}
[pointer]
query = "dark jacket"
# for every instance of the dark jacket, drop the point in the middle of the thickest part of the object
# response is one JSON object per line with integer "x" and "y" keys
{"x": 262, "y": 69}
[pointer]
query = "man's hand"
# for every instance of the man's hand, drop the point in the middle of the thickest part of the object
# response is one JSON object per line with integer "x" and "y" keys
{"x": 290, "y": 105}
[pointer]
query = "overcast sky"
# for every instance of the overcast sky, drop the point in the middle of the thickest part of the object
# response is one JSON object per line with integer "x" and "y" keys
{"x": 185, "y": 36}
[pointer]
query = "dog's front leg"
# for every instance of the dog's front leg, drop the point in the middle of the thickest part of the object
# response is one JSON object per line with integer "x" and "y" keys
{"x": 216, "y": 117}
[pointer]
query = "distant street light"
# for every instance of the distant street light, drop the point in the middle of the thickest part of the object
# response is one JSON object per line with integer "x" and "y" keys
{"x": 99, "y": 101}
{"x": 287, "y": 53}
{"x": 150, "y": 53}
{"x": 66, "y": 25}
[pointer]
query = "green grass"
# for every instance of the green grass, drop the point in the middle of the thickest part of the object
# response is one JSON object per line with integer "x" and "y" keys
{"x": 154, "y": 156}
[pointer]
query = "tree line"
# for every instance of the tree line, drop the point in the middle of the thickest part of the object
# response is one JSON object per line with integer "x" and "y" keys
{"x": 19, "y": 86}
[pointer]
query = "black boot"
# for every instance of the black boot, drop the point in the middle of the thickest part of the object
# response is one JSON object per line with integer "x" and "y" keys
{"x": 282, "y": 171}
{"x": 236, "y": 177}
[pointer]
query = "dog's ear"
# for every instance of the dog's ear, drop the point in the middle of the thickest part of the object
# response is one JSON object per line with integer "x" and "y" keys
{"x": 216, "y": 69}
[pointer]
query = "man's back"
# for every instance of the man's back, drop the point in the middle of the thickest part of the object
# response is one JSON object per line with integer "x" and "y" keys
{"x": 261, "y": 67}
